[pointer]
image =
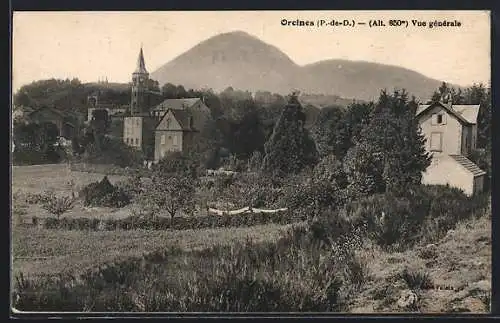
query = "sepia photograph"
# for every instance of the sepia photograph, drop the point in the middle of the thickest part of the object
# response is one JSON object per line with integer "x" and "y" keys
{"x": 251, "y": 162}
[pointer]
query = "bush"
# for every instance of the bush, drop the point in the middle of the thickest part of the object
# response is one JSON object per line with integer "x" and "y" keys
{"x": 103, "y": 193}
{"x": 58, "y": 205}
{"x": 179, "y": 223}
{"x": 112, "y": 151}
{"x": 416, "y": 279}
{"x": 392, "y": 219}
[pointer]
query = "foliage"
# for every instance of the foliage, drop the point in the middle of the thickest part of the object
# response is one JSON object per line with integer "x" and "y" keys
{"x": 180, "y": 163}
{"x": 36, "y": 143}
{"x": 172, "y": 193}
{"x": 255, "y": 161}
{"x": 293, "y": 274}
{"x": 135, "y": 222}
{"x": 391, "y": 153}
{"x": 416, "y": 279}
{"x": 289, "y": 149}
{"x": 103, "y": 193}
{"x": 253, "y": 190}
{"x": 58, "y": 205}
{"x": 422, "y": 214}
{"x": 314, "y": 191}
{"x": 112, "y": 151}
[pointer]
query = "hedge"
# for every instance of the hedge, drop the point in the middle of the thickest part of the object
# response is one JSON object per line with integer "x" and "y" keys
{"x": 164, "y": 223}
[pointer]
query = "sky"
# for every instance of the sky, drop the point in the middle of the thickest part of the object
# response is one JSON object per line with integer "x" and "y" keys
{"x": 93, "y": 45}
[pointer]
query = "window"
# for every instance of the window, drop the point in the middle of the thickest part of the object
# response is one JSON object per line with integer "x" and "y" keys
{"x": 167, "y": 124}
{"x": 438, "y": 119}
{"x": 191, "y": 122}
{"x": 137, "y": 141}
{"x": 162, "y": 139}
{"x": 436, "y": 141}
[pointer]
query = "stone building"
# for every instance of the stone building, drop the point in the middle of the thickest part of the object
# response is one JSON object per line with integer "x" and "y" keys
{"x": 171, "y": 125}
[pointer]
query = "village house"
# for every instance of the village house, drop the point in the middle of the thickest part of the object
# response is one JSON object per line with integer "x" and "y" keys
{"x": 68, "y": 123}
{"x": 172, "y": 125}
{"x": 451, "y": 133}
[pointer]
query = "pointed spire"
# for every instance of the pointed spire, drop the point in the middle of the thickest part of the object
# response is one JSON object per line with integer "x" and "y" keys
{"x": 141, "y": 66}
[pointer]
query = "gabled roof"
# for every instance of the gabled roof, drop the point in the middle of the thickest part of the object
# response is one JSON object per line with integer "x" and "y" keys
{"x": 60, "y": 113}
{"x": 466, "y": 114}
{"x": 65, "y": 115}
{"x": 182, "y": 117}
{"x": 176, "y": 104}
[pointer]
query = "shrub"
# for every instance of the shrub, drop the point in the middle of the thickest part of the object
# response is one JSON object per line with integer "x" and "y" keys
{"x": 416, "y": 279}
{"x": 58, "y": 205}
{"x": 103, "y": 193}
{"x": 391, "y": 219}
{"x": 145, "y": 222}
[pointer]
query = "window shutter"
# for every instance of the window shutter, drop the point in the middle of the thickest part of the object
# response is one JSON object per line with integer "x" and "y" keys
{"x": 444, "y": 115}
{"x": 434, "y": 119}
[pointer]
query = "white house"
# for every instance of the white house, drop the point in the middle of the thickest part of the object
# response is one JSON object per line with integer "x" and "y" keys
{"x": 451, "y": 133}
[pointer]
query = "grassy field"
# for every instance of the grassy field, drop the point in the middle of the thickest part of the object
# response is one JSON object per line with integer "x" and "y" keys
{"x": 39, "y": 251}
{"x": 38, "y": 178}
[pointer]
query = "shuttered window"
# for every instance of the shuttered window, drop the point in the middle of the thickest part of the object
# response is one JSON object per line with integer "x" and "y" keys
{"x": 162, "y": 139}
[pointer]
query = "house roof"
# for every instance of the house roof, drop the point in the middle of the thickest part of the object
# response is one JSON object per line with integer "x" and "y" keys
{"x": 176, "y": 104}
{"x": 468, "y": 112}
{"x": 182, "y": 117}
{"x": 464, "y": 113}
{"x": 67, "y": 116}
{"x": 56, "y": 111}
{"x": 468, "y": 165}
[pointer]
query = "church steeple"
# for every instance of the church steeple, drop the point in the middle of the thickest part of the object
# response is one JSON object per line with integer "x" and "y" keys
{"x": 141, "y": 66}
{"x": 139, "y": 86}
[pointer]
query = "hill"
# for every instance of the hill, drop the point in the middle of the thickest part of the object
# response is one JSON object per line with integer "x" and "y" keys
{"x": 233, "y": 59}
{"x": 245, "y": 62}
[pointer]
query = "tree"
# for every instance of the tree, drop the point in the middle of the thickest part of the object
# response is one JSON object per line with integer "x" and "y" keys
{"x": 325, "y": 130}
{"x": 290, "y": 148}
{"x": 247, "y": 135}
{"x": 480, "y": 94}
{"x": 169, "y": 91}
{"x": 171, "y": 193}
{"x": 180, "y": 163}
{"x": 391, "y": 152}
{"x": 58, "y": 205}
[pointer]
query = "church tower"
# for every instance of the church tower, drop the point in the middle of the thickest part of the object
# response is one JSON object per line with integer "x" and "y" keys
{"x": 139, "y": 86}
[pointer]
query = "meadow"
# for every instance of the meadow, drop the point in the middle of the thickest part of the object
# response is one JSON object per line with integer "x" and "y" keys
{"x": 38, "y": 251}
{"x": 306, "y": 266}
